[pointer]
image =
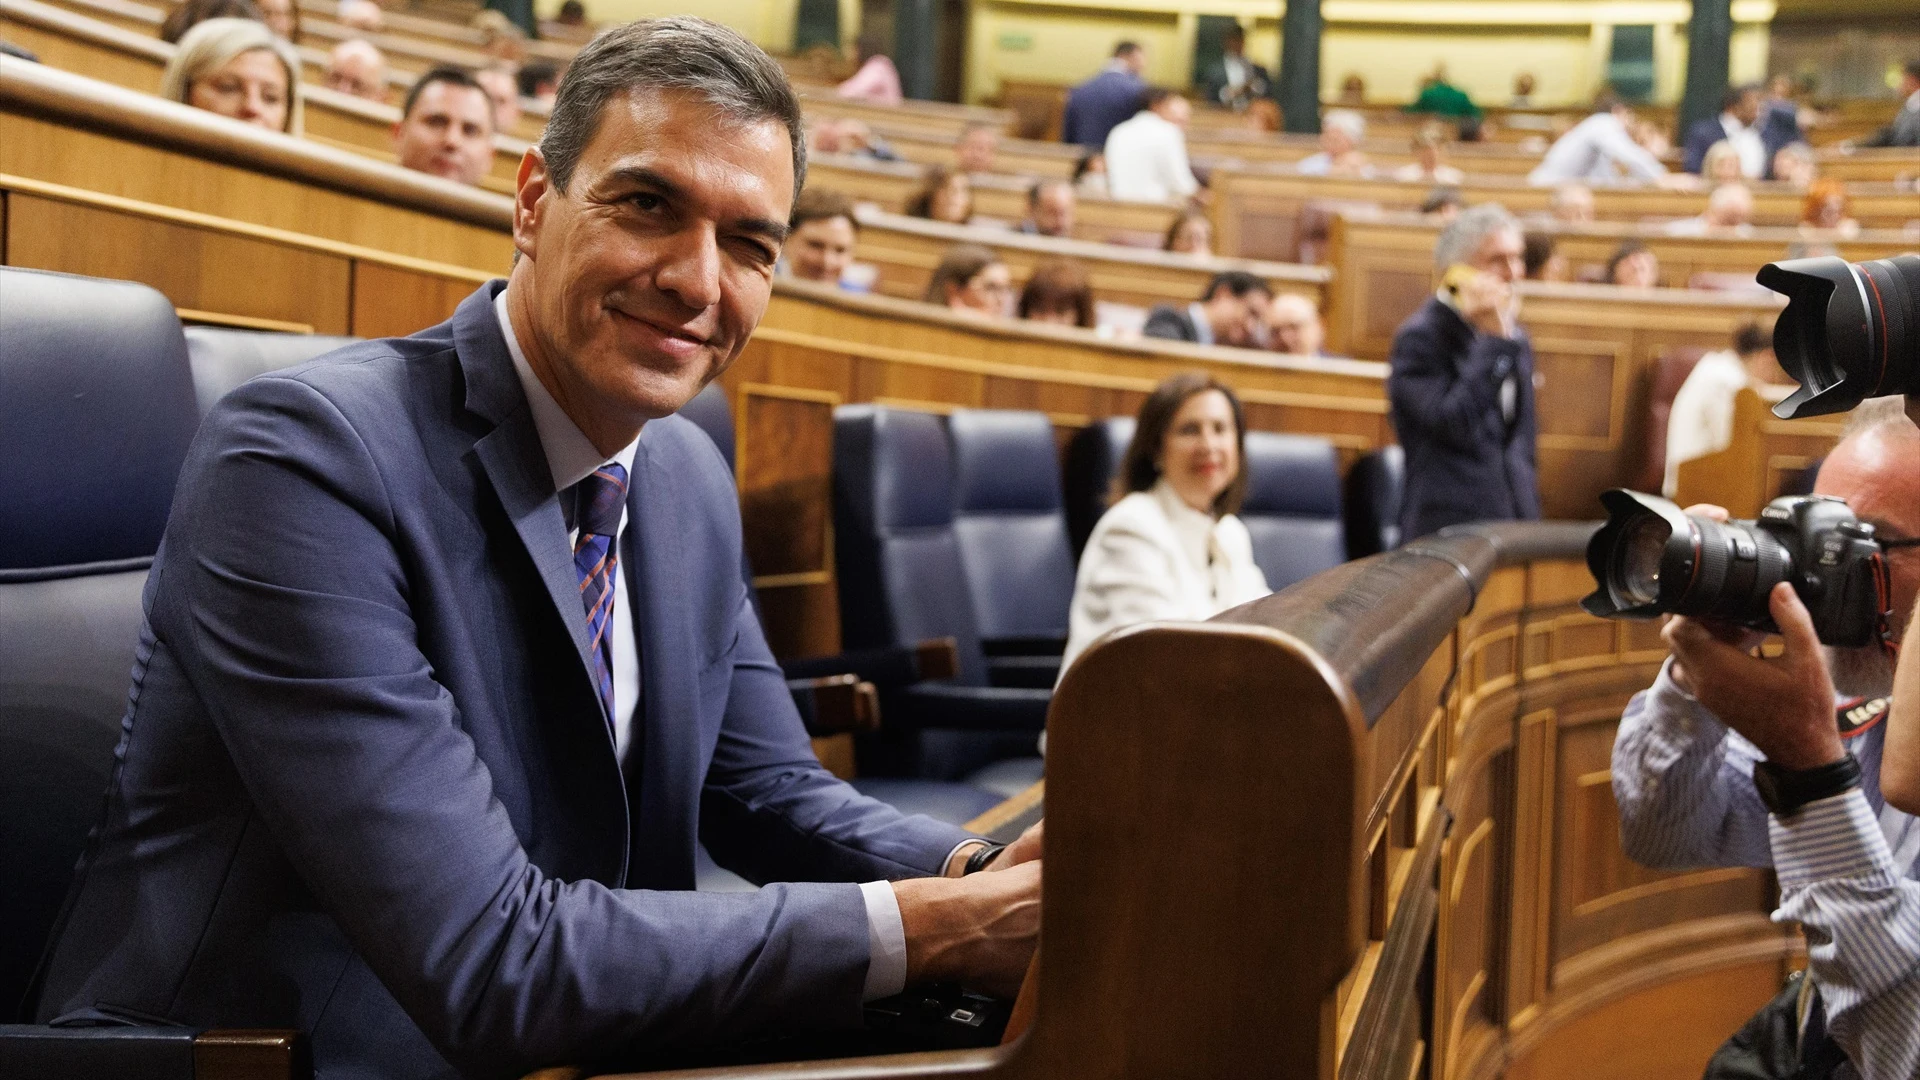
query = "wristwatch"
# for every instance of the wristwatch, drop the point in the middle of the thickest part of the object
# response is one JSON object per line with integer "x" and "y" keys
{"x": 981, "y": 856}
{"x": 1785, "y": 791}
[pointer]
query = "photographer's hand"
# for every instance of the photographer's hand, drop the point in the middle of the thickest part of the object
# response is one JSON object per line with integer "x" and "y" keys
{"x": 1782, "y": 704}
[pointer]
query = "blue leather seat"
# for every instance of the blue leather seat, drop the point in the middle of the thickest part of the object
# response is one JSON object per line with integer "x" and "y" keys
{"x": 222, "y": 359}
{"x": 95, "y": 421}
{"x": 1292, "y": 508}
{"x": 902, "y": 580}
{"x": 710, "y": 413}
{"x": 1375, "y": 486}
{"x": 1094, "y": 456}
{"x": 1011, "y": 523}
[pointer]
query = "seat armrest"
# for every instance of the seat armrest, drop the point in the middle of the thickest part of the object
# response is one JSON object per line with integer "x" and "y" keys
{"x": 836, "y": 704}
{"x": 971, "y": 708}
{"x": 1030, "y": 672}
{"x": 887, "y": 666}
{"x": 153, "y": 1052}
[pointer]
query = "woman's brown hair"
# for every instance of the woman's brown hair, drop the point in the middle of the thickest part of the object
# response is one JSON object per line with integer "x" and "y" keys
{"x": 957, "y": 267}
{"x": 1058, "y": 285}
{"x": 1141, "y": 468}
{"x": 921, "y": 205}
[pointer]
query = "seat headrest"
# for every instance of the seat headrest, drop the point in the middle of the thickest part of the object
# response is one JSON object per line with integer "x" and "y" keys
{"x": 223, "y": 359}
{"x": 897, "y": 466}
{"x": 1297, "y": 475}
{"x": 710, "y": 413}
{"x": 95, "y": 418}
{"x": 1003, "y": 460}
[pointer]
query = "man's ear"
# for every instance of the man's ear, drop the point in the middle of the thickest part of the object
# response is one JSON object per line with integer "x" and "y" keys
{"x": 530, "y": 202}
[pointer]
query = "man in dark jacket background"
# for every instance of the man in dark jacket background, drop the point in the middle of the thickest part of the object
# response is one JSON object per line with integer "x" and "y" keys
{"x": 1097, "y": 106}
{"x": 1461, "y": 384}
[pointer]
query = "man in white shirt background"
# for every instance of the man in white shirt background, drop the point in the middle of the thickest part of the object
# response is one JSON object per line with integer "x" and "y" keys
{"x": 1739, "y": 124}
{"x": 1147, "y": 155}
{"x": 1601, "y": 150}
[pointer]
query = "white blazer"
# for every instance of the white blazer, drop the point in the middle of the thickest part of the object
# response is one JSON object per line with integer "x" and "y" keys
{"x": 1154, "y": 557}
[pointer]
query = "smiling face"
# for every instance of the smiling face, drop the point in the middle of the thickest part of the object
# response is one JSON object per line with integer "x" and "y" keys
{"x": 642, "y": 281}
{"x": 821, "y": 249}
{"x": 1201, "y": 456}
{"x": 953, "y": 200}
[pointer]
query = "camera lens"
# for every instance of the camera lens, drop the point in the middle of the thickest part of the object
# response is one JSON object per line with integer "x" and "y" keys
{"x": 1637, "y": 570}
{"x": 1850, "y": 331}
{"x": 1651, "y": 559}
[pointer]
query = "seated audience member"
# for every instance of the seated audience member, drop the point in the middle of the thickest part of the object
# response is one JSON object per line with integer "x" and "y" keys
{"x": 194, "y": 12}
{"x": 1633, "y": 265}
{"x": 1780, "y": 118}
{"x": 1542, "y": 259}
{"x": 1190, "y": 234}
{"x": 1443, "y": 204}
{"x": 842, "y": 135}
{"x": 1827, "y": 210}
{"x": 1262, "y": 116}
{"x": 1523, "y": 85}
{"x": 1439, "y": 97}
{"x": 362, "y": 15}
{"x": 539, "y": 80}
{"x": 1059, "y": 293}
{"x": 1722, "y": 164}
{"x": 1737, "y": 125}
{"x": 281, "y": 17}
{"x": 876, "y": 80}
{"x": 1340, "y": 134}
{"x": 946, "y": 196}
{"x": 1294, "y": 326}
{"x": 1090, "y": 174}
{"x": 572, "y": 13}
{"x": 356, "y": 66}
{"x": 1097, "y": 106}
{"x": 1227, "y": 313}
{"x": 1701, "y": 422}
{"x": 1905, "y": 129}
{"x": 974, "y": 150}
{"x": 1600, "y": 149}
{"x": 820, "y": 247}
{"x": 1729, "y": 211}
{"x": 1050, "y": 209}
{"x": 1572, "y": 204}
{"x": 503, "y": 90}
{"x": 446, "y": 127}
{"x": 503, "y": 38}
{"x": 1460, "y": 383}
{"x": 1235, "y": 81}
{"x": 1793, "y": 761}
{"x": 1171, "y": 547}
{"x": 1795, "y": 165}
{"x": 972, "y": 280}
{"x": 384, "y": 772}
{"x": 1353, "y": 90}
{"x": 1427, "y": 167}
{"x": 1147, "y": 155}
{"x": 237, "y": 68}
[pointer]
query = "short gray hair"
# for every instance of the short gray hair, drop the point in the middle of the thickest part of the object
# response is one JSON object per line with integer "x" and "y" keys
{"x": 1462, "y": 236}
{"x": 683, "y": 53}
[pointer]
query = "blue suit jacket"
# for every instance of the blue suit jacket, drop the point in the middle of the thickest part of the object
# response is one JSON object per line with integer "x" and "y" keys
{"x": 1465, "y": 462}
{"x": 1097, "y": 106}
{"x": 366, "y": 788}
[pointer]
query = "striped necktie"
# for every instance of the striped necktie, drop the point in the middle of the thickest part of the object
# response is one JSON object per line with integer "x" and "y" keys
{"x": 599, "y": 500}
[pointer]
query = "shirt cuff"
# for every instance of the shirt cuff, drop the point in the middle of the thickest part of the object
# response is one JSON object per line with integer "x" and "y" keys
{"x": 955, "y": 850}
{"x": 886, "y": 942}
{"x": 1834, "y": 838}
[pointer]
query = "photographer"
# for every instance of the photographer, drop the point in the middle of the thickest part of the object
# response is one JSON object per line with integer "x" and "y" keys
{"x": 1689, "y": 748}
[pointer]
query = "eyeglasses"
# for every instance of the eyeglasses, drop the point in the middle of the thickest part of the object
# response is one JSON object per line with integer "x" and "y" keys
{"x": 1898, "y": 542}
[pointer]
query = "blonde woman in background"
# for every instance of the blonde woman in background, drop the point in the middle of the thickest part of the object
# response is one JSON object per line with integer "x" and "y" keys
{"x": 237, "y": 68}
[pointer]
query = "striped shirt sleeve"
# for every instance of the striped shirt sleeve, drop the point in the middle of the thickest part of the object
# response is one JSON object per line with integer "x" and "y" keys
{"x": 1861, "y": 917}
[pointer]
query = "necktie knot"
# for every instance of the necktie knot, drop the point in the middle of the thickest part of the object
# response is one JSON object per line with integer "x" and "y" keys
{"x": 600, "y": 499}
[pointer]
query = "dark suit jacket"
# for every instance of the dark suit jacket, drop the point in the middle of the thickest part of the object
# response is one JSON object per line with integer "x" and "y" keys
{"x": 1904, "y": 131}
{"x": 1464, "y": 461}
{"x": 1171, "y": 323}
{"x": 1214, "y": 83}
{"x": 1700, "y": 139}
{"x": 1097, "y": 106}
{"x": 366, "y": 788}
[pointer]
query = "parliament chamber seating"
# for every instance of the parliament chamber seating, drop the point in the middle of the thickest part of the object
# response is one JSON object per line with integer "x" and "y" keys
{"x": 1375, "y": 486}
{"x": 1094, "y": 457}
{"x": 94, "y": 427}
{"x": 1669, "y": 374}
{"x": 223, "y": 357}
{"x": 1292, "y": 508}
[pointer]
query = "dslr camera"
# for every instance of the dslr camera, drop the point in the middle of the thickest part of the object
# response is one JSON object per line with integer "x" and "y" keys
{"x": 1650, "y": 558}
{"x": 1850, "y": 331}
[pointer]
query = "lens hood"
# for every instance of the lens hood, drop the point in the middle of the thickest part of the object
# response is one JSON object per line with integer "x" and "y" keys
{"x": 1823, "y": 336}
{"x": 1625, "y": 509}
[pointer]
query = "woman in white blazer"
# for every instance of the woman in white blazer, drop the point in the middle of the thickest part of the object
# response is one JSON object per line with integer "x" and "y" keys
{"x": 1171, "y": 548}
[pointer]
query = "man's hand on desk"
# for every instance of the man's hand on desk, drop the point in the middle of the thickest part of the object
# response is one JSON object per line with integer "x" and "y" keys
{"x": 978, "y": 930}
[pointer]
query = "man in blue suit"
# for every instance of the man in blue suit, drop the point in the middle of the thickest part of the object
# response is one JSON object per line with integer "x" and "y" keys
{"x": 1738, "y": 124}
{"x": 1097, "y": 106}
{"x": 448, "y": 663}
{"x": 1460, "y": 384}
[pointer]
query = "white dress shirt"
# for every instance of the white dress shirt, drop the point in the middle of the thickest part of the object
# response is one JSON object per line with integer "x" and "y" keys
{"x": 1598, "y": 149}
{"x": 1745, "y": 139}
{"x": 571, "y": 458}
{"x": 1154, "y": 557}
{"x": 1147, "y": 160}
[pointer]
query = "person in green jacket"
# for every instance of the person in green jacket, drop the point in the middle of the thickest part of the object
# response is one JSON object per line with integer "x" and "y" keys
{"x": 1441, "y": 98}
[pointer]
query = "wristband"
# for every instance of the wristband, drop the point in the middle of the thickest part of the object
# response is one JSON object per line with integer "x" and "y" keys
{"x": 1785, "y": 791}
{"x": 981, "y": 856}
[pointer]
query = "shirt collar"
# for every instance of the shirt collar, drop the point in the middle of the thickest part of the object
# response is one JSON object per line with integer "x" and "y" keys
{"x": 1202, "y": 327}
{"x": 571, "y": 456}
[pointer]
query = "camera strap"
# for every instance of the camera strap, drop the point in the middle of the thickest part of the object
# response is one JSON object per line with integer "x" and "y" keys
{"x": 1883, "y": 605}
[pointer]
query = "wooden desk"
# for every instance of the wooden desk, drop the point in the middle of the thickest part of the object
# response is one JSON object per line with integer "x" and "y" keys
{"x": 1399, "y": 759}
{"x": 1766, "y": 454}
{"x": 934, "y": 117}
